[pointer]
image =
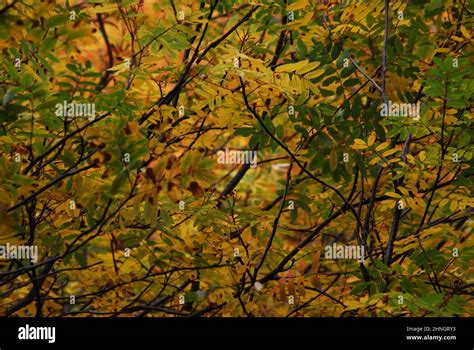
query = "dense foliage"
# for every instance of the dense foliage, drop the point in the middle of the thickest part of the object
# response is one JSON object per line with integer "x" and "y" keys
{"x": 114, "y": 116}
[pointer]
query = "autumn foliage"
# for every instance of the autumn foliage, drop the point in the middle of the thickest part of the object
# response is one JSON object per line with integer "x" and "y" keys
{"x": 113, "y": 117}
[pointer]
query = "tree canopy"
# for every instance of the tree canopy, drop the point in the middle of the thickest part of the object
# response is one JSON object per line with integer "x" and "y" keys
{"x": 236, "y": 158}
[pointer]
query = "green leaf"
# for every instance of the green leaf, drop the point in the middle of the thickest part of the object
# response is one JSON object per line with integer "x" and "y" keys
{"x": 9, "y": 96}
{"x": 384, "y": 268}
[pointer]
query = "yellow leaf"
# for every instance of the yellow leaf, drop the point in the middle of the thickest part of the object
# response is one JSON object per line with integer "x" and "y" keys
{"x": 297, "y": 5}
{"x": 403, "y": 190}
{"x": 382, "y": 146}
{"x": 291, "y": 67}
{"x": 453, "y": 206}
{"x": 422, "y": 155}
{"x": 393, "y": 195}
{"x": 443, "y": 202}
{"x": 31, "y": 71}
{"x": 314, "y": 74}
{"x": 308, "y": 68}
{"x": 452, "y": 111}
{"x": 371, "y": 139}
{"x": 297, "y": 84}
{"x": 359, "y": 144}
{"x": 420, "y": 202}
{"x": 411, "y": 202}
{"x": 210, "y": 89}
{"x": 353, "y": 305}
{"x": 465, "y": 32}
{"x": 389, "y": 152}
{"x": 103, "y": 8}
{"x": 407, "y": 247}
{"x": 374, "y": 161}
{"x": 410, "y": 158}
{"x": 305, "y": 20}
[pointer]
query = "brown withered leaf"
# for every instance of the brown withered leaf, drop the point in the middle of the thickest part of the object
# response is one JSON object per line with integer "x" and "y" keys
{"x": 196, "y": 189}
